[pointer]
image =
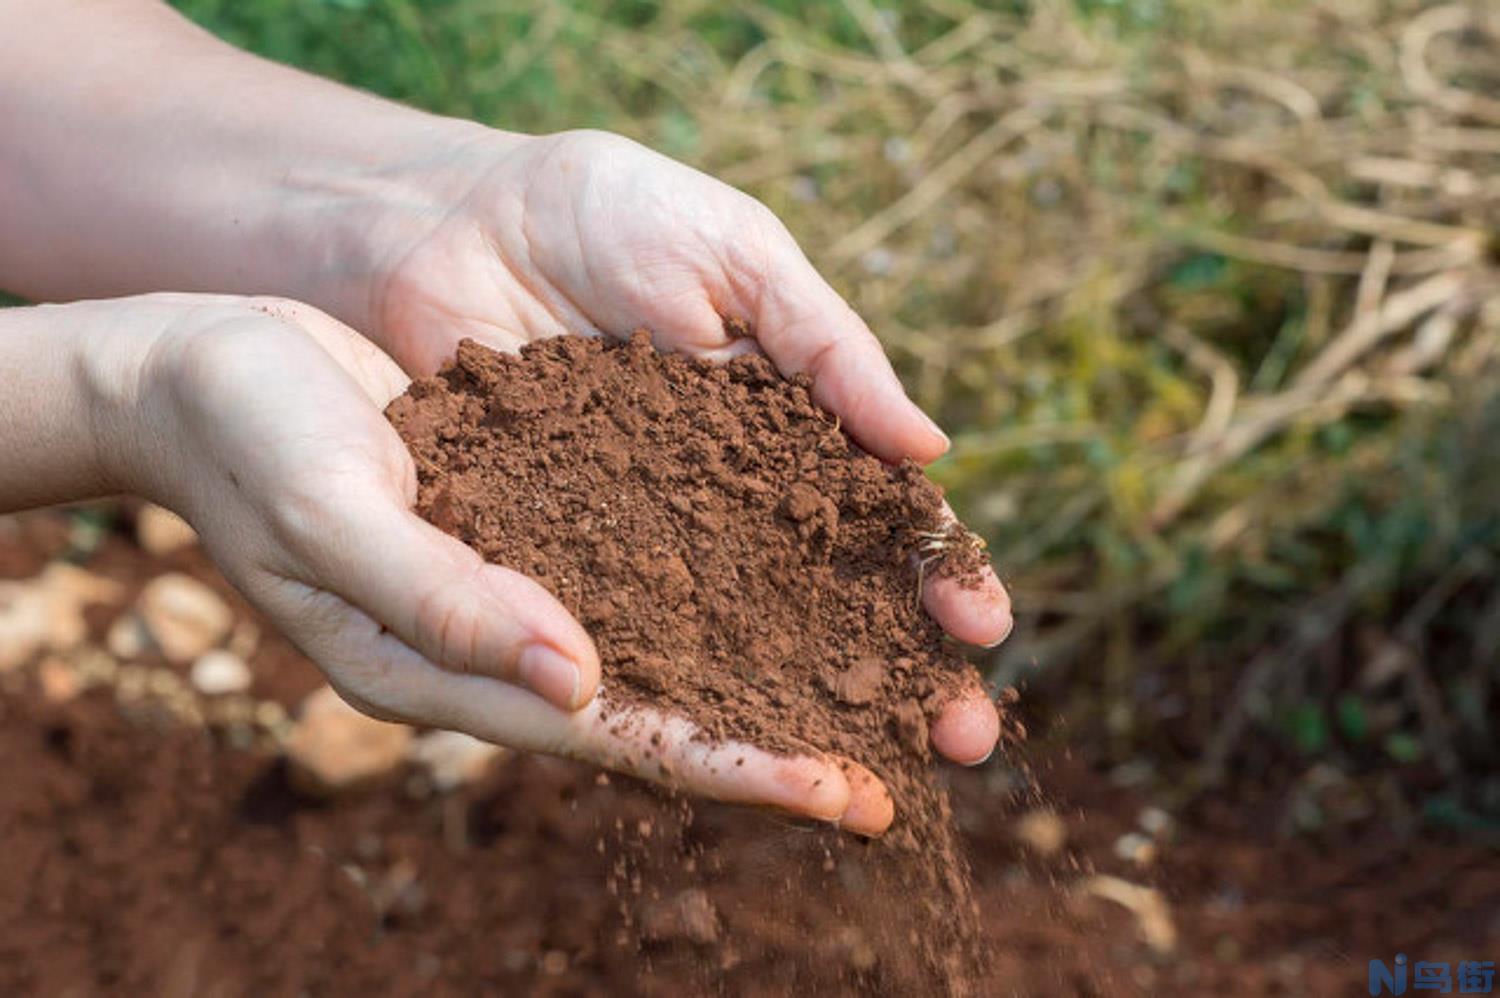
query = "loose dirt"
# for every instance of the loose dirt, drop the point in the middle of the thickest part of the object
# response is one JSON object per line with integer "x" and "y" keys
{"x": 740, "y": 562}
{"x": 145, "y": 857}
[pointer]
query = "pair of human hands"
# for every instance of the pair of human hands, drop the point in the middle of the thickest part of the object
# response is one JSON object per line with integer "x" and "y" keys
{"x": 261, "y": 422}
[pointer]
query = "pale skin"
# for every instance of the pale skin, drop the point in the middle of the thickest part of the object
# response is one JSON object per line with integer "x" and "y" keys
{"x": 258, "y": 418}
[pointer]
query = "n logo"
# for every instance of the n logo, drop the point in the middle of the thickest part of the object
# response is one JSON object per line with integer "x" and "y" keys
{"x": 1388, "y": 980}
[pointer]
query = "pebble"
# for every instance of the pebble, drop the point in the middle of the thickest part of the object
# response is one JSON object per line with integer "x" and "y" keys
{"x": 1156, "y": 822}
{"x": 24, "y": 619}
{"x": 218, "y": 672}
{"x": 184, "y": 617}
{"x": 94, "y": 665}
{"x": 58, "y": 682}
{"x": 1134, "y": 847}
{"x": 1043, "y": 832}
{"x": 79, "y": 586}
{"x": 66, "y": 628}
{"x": 45, "y": 613}
{"x": 334, "y": 748}
{"x": 160, "y": 531}
{"x": 451, "y": 758}
{"x": 1153, "y": 914}
{"x": 163, "y": 683}
{"x": 127, "y": 637}
{"x": 270, "y": 715}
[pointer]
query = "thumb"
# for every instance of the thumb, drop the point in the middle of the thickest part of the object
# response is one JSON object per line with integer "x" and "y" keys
{"x": 441, "y": 599}
{"x": 356, "y": 538}
{"x": 805, "y": 327}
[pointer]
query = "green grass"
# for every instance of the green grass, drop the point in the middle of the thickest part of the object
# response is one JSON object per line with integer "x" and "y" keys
{"x": 1163, "y": 229}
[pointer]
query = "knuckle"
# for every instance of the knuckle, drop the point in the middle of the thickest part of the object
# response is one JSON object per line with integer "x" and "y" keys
{"x": 448, "y": 627}
{"x": 596, "y": 140}
{"x": 310, "y": 518}
{"x": 299, "y": 519}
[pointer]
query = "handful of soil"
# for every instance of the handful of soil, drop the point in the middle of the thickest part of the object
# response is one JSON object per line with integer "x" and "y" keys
{"x": 736, "y": 557}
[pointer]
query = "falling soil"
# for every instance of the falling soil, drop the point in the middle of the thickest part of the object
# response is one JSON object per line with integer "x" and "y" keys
{"x": 740, "y": 562}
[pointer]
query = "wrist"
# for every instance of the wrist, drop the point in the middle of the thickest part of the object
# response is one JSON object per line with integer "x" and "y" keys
{"x": 71, "y": 419}
{"x": 343, "y": 228}
{"x": 116, "y": 375}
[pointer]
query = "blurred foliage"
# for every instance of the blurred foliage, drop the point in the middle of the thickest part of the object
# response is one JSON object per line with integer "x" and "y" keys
{"x": 1205, "y": 292}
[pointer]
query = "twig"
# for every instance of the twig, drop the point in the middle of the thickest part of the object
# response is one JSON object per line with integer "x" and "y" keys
{"x": 1367, "y": 331}
{"x": 936, "y": 184}
{"x": 1418, "y": 75}
{"x": 1224, "y": 384}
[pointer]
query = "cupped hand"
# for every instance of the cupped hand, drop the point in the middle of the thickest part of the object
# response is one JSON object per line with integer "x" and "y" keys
{"x": 260, "y": 421}
{"x": 587, "y": 232}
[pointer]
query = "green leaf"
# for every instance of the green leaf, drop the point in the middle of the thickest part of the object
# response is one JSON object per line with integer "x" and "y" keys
{"x": 1352, "y": 720}
{"x": 1309, "y": 728}
{"x": 1403, "y": 747}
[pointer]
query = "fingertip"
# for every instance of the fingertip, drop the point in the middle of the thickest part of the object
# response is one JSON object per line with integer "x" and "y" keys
{"x": 811, "y": 787}
{"x": 975, "y": 611}
{"x": 552, "y": 635}
{"x": 871, "y": 809}
{"x": 967, "y": 729}
{"x": 550, "y": 674}
{"x": 930, "y": 442}
{"x": 865, "y": 392}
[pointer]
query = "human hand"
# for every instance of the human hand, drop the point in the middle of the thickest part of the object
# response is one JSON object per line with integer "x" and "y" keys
{"x": 260, "y": 421}
{"x": 507, "y": 239}
{"x": 416, "y": 230}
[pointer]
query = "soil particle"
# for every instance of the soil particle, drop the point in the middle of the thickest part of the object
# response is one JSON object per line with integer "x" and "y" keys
{"x": 738, "y": 560}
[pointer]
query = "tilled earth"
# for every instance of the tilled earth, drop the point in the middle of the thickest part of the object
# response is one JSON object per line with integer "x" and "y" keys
{"x": 145, "y": 854}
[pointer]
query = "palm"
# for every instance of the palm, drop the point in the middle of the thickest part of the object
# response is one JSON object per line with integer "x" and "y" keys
{"x": 590, "y": 233}
{"x": 585, "y": 233}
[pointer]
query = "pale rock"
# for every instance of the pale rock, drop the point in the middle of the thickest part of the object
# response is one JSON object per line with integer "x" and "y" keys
{"x": 79, "y": 586}
{"x": 333, "y": 747}
{"x": 94, "y": 665}
{"x": 451, "y": 758}
{"x": 1134, "y": 847}
{"x": 218, "y": 672}
{"x": 25, "y": 621}
{"x": 46, "y": 612}
{"x": 67, "y": 590}
{"x": 66, "y": 628}
{"x": 160, "y": 531}
{"x": 58, "y": 681}
{"x": 1043, "y": 832}
{"x": 185, "y": 617}
{"x": 1156, "y": 822}
{"x": 127, "y": 637}
{"x": 1153, "y": 913}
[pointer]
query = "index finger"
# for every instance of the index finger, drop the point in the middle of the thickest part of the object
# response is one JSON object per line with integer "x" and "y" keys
{"x": 804, "y": 326}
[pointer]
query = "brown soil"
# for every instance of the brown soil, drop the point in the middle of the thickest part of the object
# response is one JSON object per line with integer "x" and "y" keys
{"x": 141, "y": 858}
{"x": 738, "y": 560}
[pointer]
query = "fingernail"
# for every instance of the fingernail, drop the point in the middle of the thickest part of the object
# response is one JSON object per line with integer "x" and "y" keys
{"x": 982, "y": 759}
{"x": 935, "y": 428}
{"x": 1010, "y": 625}
{"x": 549, "y": 673}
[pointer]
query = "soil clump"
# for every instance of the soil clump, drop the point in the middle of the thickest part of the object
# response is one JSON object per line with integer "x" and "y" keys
{"x": 739, "y": 561}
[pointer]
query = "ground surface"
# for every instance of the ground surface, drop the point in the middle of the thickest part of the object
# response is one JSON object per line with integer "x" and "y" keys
{"x": 147, "y": 857}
